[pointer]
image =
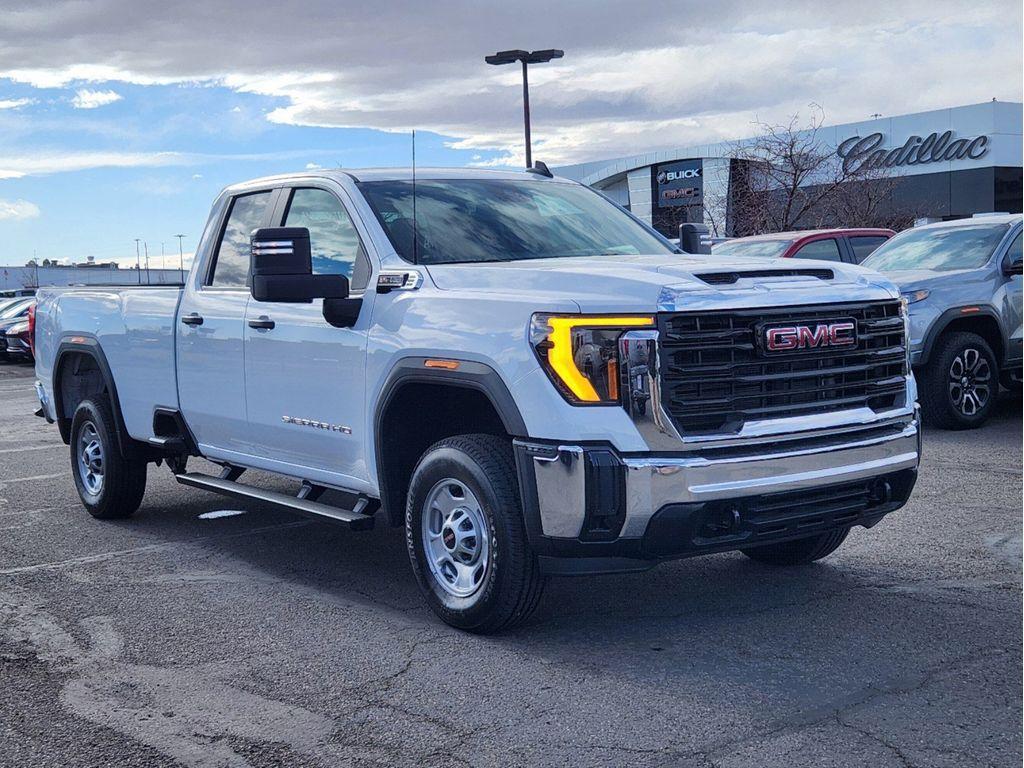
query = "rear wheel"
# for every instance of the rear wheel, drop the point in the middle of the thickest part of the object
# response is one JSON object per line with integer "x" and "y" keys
{"x": 799, "y": 551}
{"x": 110, "y": 486}
{"x": 466, "y": 537}
{"x": 960, "y": 383}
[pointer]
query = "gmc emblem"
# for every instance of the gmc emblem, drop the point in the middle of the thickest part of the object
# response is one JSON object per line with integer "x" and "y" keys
{"x": 790, "y": 338}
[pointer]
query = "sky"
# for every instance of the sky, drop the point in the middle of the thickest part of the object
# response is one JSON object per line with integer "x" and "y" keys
{"x": 122, "y": 119}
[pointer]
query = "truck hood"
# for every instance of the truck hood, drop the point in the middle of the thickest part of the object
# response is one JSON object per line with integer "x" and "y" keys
{"x": 664, "y": 282}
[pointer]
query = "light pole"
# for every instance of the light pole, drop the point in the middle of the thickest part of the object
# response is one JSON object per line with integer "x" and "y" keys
{"x": 181, "y": 259}
{"x": 526, "y": 57}
{"x": 138, "y": 261}
{"x": 145, "y": 248}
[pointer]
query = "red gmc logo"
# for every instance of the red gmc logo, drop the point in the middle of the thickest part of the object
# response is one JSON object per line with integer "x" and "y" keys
{"x": 786, "y": 338}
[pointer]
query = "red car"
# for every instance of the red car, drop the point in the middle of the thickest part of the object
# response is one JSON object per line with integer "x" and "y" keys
{"x": 849, "y": 245}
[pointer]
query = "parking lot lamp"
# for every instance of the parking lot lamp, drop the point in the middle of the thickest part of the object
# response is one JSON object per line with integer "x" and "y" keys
{"x": 526, "y": 58}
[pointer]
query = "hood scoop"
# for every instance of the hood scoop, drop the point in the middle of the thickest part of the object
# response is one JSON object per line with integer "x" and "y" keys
{"x": 728, "y": 278}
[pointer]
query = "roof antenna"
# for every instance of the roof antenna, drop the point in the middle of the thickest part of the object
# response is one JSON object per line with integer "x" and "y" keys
{"x": 415, "y": 245}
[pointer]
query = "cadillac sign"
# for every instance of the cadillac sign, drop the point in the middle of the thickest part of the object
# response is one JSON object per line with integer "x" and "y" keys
{"x": 867, "y": 153}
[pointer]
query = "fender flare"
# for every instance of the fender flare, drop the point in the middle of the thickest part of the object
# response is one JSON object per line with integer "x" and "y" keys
{"x": 469, "y": 375}
{"x": 87, "y": 344}
{"x": 953, "y": 313}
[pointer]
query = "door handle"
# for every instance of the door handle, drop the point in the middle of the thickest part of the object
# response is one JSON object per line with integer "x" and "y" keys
{"x": 192, "y": 319}
{"x": 263, "y": 323}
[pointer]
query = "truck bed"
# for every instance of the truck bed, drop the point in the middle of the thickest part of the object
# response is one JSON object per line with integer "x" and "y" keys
{"x": 135, "y": 327}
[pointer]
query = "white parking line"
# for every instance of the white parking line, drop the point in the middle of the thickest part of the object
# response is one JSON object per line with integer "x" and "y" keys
{"x": 9, "y": 480}
{"x": 33, "y": 448}
{"x": 98, "y": 558}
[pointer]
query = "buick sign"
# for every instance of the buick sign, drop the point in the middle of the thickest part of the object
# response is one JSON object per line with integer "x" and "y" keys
{"x": 867, "y": 153}
{"x": 791, "y": 338}
{"x": 667, "y": 176}
{"x": 679, "y": 183}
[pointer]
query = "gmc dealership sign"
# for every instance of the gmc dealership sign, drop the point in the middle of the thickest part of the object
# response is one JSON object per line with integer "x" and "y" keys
{"x": 867, "y": 153}
{"x": 679, "y": 183}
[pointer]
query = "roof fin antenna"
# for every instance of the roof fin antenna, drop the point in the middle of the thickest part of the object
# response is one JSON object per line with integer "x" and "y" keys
{"x": 541, "y": 169}
{"x": 415, "y": 235}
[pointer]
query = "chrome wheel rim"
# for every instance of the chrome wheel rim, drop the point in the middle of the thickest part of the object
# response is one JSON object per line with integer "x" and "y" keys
{"x": 90, "y": 458}
{"x": 970, "y": 382}
{"x": 456, "y": 538}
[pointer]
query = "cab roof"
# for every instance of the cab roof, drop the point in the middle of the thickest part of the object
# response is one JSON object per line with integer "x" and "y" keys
{"x": 401, "y": 174}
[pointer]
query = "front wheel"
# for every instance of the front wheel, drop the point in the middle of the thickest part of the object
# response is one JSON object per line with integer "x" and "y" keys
{"x": 110, "y": 486}
{"x": 960, "y": 384}
{"x": 466, "y": 536}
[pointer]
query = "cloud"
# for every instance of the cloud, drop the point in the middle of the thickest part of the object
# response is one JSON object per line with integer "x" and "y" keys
{"x": 87, "y": 99}
{"x": 15, "y": 103}
{"x": 313, "y": 166}
{"x": 18, "y": 209}
{"x": 44, "y": 162}
{"x": 631, "y": 80}
{"x": 196, "y": 176}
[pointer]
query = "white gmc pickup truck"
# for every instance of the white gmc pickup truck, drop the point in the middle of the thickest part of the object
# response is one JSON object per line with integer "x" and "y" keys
{"x": 524, "y": 375}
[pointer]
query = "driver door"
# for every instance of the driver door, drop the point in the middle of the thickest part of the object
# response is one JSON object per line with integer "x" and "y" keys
{"x": 304, "y": 379}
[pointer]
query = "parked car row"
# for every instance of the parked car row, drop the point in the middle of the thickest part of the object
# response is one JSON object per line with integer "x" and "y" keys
{"x": 16, "y": 328}
{"x": 848, "y": 245}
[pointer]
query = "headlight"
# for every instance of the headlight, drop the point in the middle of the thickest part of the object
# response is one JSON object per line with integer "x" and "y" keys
{"x": 912, "y": 297}
{"x": 581, "y": 354}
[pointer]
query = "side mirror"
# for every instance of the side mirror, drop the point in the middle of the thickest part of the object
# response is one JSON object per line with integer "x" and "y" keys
{"x": 693, "y": 238}
{"x": 282, "y": 268}
{"x": 1014, "y": 266}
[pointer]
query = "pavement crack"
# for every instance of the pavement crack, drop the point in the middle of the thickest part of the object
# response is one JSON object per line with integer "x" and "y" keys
{"x": 893, "y": 748}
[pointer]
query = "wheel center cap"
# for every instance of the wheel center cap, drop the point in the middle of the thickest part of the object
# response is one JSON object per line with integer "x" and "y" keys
{"x": 448, "y": 537}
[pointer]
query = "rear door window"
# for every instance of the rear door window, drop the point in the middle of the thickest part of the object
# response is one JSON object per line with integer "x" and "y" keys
{"x": 825, "y": 250}
{"x": 863, "y": 245}
{"x": 231, "y": 264}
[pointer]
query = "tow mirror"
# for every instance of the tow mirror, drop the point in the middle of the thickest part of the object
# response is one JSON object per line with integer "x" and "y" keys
{"x": 694, "y": 238}
{"x": 282, "y": 268}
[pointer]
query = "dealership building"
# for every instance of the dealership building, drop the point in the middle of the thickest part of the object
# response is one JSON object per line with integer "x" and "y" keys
{"x": 946, "y": 163}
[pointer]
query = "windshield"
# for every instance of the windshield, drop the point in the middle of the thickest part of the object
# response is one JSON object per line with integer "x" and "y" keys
{"x": 14, "y": 309}
{"x": 465, "y": 220}
{"x": 761, "y": 249}
{"x": 938, "y": 248}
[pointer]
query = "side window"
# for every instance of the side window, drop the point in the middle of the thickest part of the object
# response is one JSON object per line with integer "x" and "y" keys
{"x": 863, "y": 245}
{"x": 826, "y": 250}
{"x": 336, "y": 249}
{"x": 231, "y": 265}
{"x": 1014, "y": 252}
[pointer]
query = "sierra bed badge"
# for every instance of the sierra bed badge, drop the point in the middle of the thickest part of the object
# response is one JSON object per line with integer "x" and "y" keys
{"x": 797, "y": 336}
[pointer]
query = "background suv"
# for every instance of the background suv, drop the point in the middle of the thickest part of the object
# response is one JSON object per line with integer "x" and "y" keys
{"x": 962, "y": 281}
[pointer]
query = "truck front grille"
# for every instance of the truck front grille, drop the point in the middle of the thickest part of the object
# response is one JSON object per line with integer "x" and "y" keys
{"x": 715, "y": 374}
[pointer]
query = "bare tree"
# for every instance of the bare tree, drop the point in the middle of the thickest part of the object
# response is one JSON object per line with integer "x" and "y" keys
{"x": 789, "y": 178}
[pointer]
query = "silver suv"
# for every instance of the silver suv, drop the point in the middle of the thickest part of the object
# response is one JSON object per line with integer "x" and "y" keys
{"x": 962, "y": 281}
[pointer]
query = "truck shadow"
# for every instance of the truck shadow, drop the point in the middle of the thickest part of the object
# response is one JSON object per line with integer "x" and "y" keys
{"x": 700, "y": 597}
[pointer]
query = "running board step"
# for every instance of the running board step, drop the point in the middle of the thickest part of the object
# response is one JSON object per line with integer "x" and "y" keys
{"x": 353, "y": 518}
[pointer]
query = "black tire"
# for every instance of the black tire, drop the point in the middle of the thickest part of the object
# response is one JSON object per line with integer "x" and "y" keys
{"x": 123, "y": 481}
{"x": 511, "y": 583}
{"x": 944, "y": 403}
{"x": 799, "y": 551}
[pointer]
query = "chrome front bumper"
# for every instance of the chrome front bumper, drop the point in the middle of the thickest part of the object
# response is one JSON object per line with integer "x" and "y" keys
{"x": 570, "y": 481}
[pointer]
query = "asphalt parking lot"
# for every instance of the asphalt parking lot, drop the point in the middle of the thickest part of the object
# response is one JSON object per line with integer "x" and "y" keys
{"x": 266, "y": 639}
